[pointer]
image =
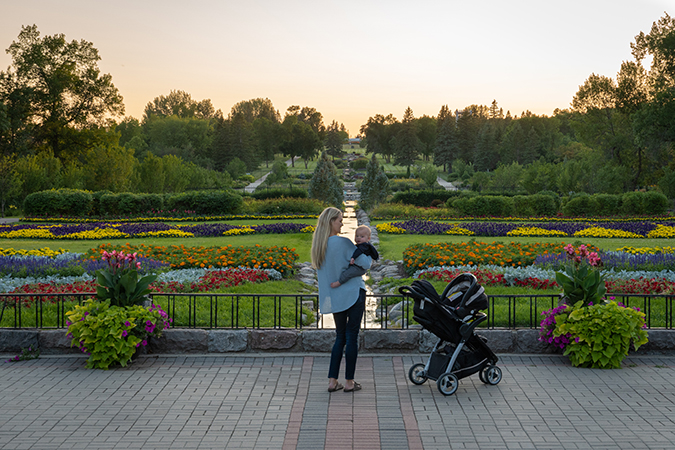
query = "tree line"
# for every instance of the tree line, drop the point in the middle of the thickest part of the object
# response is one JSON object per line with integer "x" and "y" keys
{"x": 617, "y": 135}
{"x": 62, "y": 124}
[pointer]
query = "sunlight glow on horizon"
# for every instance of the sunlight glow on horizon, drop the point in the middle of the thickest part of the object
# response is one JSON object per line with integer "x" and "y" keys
{"x": 351, "y": 60}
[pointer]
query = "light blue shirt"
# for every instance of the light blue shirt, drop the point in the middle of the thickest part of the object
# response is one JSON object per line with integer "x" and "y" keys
{"x": 339, "y": 252}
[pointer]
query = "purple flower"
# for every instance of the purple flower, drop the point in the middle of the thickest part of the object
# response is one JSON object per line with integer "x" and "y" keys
{"x": 127, "y": 323}
{"x": 576, "y": 340}
{"x": 144, "y": 342}
{"x": 125, "y": 333}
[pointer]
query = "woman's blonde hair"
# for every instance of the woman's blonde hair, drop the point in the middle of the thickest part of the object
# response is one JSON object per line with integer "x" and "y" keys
{"x": 321, "y": 235}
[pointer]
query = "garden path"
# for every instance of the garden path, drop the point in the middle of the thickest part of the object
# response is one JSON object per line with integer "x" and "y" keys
{"x": 445, "y": 184}
{"x": 349, "y": 225}
{"x": 252, "y": 187}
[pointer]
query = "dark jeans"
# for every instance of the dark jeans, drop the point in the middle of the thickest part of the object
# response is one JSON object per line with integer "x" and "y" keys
{"x": 347, "y": 325}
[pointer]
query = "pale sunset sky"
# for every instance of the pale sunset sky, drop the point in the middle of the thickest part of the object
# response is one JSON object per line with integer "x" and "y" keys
{"x": 348, "y": 59}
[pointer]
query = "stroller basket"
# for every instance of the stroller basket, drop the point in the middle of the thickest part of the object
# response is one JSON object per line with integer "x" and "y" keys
{"x": 453, "y": 317}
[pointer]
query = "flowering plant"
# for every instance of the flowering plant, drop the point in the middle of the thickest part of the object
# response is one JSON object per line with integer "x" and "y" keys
{"x": 112, "y": 334}
{"x": 547, "y": 329}
{"x": 26, "y": 354}
{"x": 580, "y": 278}
{"x": 119, "y": 282}
{"x": 598, "y": 335}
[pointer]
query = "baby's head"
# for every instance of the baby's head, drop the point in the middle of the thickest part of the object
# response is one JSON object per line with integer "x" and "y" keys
{"x": 362, "y": 234}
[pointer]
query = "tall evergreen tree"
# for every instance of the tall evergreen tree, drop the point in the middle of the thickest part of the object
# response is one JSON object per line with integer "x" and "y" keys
{"x": 375, "y": 186}
{"x": 407, "y": 145}
{"x": 325, "y": 184}
{"x": 446, "y": 147}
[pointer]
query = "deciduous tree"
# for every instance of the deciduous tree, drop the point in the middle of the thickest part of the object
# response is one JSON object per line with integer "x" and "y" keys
{"x": 56, "y": 90}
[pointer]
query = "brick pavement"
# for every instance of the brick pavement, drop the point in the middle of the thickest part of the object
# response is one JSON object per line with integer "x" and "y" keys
{"x": 275, "y": 401}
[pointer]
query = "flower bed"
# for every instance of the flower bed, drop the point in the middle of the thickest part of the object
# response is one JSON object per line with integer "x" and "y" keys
{"x": 474, "y": 253}
{"x": 105, "y": 230}
{"x": 281, "y": 259}
{"x": 638, "y": 229}
{"x": 170, "y": 218}
{"x": 210, "y": 281}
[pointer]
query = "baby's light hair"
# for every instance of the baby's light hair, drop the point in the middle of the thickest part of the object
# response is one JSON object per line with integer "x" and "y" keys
{"x": 362, "y": 228}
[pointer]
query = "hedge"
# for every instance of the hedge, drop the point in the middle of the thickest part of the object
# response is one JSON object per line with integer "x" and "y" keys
{"x": 264, "y": 194}
{"x": 61, "y": 202}
{"x": 423, "y": 197}
{"x": 69, "y": 202}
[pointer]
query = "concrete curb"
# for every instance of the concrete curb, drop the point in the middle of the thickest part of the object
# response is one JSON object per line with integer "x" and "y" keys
{"x": 201, "y": 341}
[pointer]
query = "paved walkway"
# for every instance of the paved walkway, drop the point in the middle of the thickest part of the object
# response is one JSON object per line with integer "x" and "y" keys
{"x": 446, "y": 184}
{"x": 280, "y": 402}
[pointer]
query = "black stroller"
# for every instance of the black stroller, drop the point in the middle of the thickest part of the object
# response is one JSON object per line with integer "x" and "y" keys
{"x": 453, "y": 317}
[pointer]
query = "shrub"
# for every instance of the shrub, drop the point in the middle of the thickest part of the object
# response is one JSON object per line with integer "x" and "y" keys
{"x": 579, "y": 205}
{"x": 264, "y": 194}
{"x": 607, "y": 204}
{"x": 654, "y": 203}
{"x": 523, "y": 206}
{"x": 206, "y": 202}
{"x": 285, "y": 206}
{"x": 58, "y": 203}
{"x": 96, "y": 205}
{"x": 423, "y": 197}
{"x": 359, "y": 164}
{"x": 631, "y": 203}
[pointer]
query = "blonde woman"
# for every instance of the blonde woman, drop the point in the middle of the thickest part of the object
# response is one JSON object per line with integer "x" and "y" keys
{"x": 331, "y": 255}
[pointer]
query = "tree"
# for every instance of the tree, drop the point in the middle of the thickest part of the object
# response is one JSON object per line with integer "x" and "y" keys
{"x": 151, "y": 176}
{"x": 110, "y": 168}
{"x": 325, "y": 184}
{"x": 407, "y": 145}
{"x": 426, "y": 132}
{"x": 236, "y": 168}
{"x": 446, "y": 146}
{"x": 429, "y": 175}
{"x": 267, "y": 136}
{"x": 10, "y": 184}
{"x": 378, "y": 133}
{"x": 335, "y": 137}
{"x": 299, "y": 139}
{"x": 375, "y": 186}
{"x": 179, "y": 104}
{"x": 495, "y": 111}
{"x": 257, "y": 108}
{"x": 38, "y": 173}
{"x": 59, "y": 92}
{"x": 486, "y": 155}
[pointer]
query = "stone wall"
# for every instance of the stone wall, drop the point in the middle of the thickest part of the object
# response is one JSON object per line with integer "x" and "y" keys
{"x": 181, "y": 340}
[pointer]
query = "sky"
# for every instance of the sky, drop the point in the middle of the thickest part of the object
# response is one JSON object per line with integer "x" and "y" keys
{"x": 349, "y": 59}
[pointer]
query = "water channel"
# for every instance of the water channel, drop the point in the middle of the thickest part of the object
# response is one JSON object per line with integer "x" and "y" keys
{"x": 349, "y": 225}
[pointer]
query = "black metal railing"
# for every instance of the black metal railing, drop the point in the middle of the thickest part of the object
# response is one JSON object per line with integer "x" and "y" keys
{"x": 300, "y": 311}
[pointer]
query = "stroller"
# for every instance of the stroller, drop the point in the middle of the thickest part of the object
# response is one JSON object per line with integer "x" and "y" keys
{"x": 453, "y": 317}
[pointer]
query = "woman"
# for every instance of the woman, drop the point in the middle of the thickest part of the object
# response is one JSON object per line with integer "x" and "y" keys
{"x": 330, "y": 256}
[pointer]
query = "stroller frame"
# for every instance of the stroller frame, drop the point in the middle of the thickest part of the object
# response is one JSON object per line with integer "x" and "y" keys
{"x": 459, "y": 352}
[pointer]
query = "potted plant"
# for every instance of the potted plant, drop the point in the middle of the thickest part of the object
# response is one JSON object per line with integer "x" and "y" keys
{"x": 592, "y": 331}
{"x": 112, "y": 328}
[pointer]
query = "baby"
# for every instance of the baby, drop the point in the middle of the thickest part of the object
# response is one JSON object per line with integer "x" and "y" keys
{"x": 363, "y": 247}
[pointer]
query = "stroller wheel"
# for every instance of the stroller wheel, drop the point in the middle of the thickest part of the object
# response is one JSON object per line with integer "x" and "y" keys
{"x": 491, "y": 374}
{"x": 447, "y": 383}
{"x": 417, "y": 374}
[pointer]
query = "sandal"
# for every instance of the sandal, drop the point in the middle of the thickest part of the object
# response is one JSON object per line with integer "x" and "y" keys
{"x": 357, "y": 387}
{"x": 336, "y": 388}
